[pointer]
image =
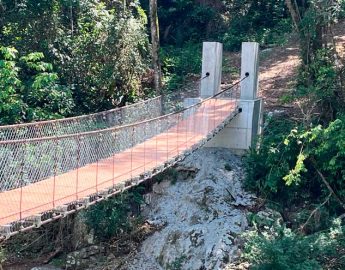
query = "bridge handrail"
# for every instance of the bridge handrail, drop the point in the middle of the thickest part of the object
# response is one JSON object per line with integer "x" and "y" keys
{"x": 82, "y": 134}
{"x": 18, "y": 131}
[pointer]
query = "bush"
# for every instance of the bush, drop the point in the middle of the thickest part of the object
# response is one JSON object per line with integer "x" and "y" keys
{"x": 286, "y": 250}
{"x": 108, "y": 55}
{"x": 342, "y": 9}
{"x": 30, "y": 89}
{"x": 299, "y": 164}
{"x": 249, "y": 22}
{"x": 99, "y": 48}
{"x": 276, "y": 35}
{"x": 184, "y": 21}
{"x": 265, "y": 167}
{"x": 317, "y": 82}
{"x": 112, "y": 217}
{"x": 179, "y": 63}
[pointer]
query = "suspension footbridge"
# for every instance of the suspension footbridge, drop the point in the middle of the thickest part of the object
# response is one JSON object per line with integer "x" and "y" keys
{"x": 54, "y": 168}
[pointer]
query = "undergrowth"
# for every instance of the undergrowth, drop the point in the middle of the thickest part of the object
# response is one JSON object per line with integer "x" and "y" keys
{"x": 179, "y": 63}
{"x": 242, "y": 30}
{"x": 284, "y": 249}
{"x": 299, "y": 170}
{"x": 116, "y": 215}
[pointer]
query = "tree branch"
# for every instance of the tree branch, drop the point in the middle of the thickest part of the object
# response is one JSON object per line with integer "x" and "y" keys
{"x": 331, "y": 190}
{"x": 314, "y": 212}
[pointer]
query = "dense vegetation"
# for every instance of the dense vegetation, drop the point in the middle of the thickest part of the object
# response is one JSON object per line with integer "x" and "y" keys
{"x": 68, "y": 57}
{"x": 299, "y": 166}
{"x": 60, "y": 58}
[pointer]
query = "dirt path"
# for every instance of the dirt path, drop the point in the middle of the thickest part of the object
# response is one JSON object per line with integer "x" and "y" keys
{"x": 278, "y": 71}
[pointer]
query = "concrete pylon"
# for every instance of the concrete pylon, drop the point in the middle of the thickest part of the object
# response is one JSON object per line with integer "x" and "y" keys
{"x": 212, "y": 57}
{"x": 250, "y": 64}
{"x": 211, "y": 75}
{"x": 239, "y": 135}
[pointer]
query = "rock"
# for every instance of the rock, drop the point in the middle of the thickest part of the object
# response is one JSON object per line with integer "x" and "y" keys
{"x": 46, "y": 267}
{"x": 239, "y": 266}
{"x": 81, "y": 236}
{"x": 268, "y": 217}
{"x": 111, "y": 257}
{"x": 160, "y": 188}
{"x": 81, "y": 259}
{"x": 159, "y": 223}
{"x": 199, "y": 223}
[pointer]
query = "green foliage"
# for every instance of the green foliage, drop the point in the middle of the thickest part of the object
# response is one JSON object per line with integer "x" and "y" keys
{"x": 179, "y": 63}
{"x": 315, "y": 21}
{"x": 30, "y": 89}
{"x": 286, "y": 252}
{"x": 170, "y": 174}
{"x": 112, "y": 217}
{"x": 323, "y": 149}
{"x": 266, "y": 166}
{"x": 107, "y": 56}
{"x": 11, "y": 105}
{"x": 285, "y": 249}
{"x": 186, "y": 21}
{"x": 294, "y": 175}
{"x": 241, "y": 32}
{"x": 342, "y": 9}
{"x": 285, "y": 166}
{"x": 319, "y": 82}
{"x": 99, "y": 50}
{"x": 249, "y": 22}
{"x": 228, "y": 167}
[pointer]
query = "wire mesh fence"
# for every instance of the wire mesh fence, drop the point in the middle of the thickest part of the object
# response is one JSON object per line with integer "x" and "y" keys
{"x": 150, "y": 108}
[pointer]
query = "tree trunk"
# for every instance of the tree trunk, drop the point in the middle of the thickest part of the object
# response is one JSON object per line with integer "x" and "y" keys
{"x": 155, "y": 46}
{"x": 296, "y": 18}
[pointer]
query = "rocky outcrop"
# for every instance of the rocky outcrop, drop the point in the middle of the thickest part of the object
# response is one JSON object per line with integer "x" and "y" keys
{"x": 200, "y": 217}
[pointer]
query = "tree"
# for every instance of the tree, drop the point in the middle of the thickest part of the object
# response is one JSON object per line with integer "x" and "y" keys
{"x": 99, "y": 48}
{"x": 155, "y": 46}
{"x": 30, "y": 90}
{"x": 294, "y": 12}
{"x": 320, "y": 80}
